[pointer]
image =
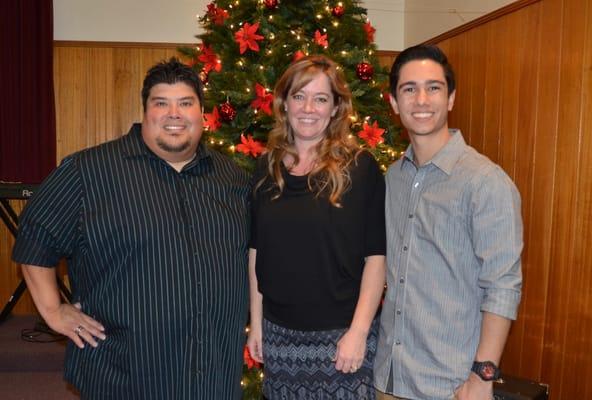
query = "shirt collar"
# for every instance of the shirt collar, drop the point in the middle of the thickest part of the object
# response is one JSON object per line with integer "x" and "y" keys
{"x": 447, "y": 157}
{"x": 134, "y": 146}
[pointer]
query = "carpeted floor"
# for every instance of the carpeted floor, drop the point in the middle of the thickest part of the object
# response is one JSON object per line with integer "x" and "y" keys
{"x": 31, "y": 371}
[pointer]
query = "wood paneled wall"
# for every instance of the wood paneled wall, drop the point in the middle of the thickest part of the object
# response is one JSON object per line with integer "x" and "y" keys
{"x": 524, "y": 99}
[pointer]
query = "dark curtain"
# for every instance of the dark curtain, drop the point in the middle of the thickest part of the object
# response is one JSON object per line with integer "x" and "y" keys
{"x": 27, "y": 109}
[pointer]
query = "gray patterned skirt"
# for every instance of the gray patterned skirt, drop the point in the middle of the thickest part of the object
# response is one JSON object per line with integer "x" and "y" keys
{"x": 298, "y": 365}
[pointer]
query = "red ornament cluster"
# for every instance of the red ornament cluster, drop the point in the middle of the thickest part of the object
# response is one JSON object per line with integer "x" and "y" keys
{"x": 338, "y": 11}
{"x": 227, "y": 112}
{"x": 271, "y": 4}
{"x": 364, "y": 71}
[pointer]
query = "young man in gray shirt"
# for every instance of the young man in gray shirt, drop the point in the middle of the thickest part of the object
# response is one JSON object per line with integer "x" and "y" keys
{"x": 454, "y": 239}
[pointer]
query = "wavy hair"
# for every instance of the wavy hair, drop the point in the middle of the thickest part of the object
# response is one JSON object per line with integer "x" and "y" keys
{"x": 335, "y": 152}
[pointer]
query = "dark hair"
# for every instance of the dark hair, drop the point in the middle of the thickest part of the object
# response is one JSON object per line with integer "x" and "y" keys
{"x": 171, "y": 72}
{"x": 421, "y": 52}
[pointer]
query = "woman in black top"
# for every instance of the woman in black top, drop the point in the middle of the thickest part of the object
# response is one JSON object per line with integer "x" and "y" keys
{"x": 316, "y": 263}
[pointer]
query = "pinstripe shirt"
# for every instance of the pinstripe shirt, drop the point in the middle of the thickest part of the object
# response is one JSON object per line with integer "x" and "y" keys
{"x": 158, "y": 257}
{"x": 454, "y": 238}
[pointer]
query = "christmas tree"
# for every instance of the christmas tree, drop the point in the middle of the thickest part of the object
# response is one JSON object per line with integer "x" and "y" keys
{"x": 247, "y": 45}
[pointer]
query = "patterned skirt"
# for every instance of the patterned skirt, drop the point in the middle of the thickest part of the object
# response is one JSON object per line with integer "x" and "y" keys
{"x": 298, "y": 365}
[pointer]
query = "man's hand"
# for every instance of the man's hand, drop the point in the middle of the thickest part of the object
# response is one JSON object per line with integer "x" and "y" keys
{"x": 351, "y": 349}
{"x": 70, "y": 321}
{"x": 474, "y": 388}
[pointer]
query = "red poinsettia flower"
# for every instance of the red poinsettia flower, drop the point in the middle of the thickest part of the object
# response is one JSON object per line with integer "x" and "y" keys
{"x": 321, "y": 40}
{"x": 249, "y": 361}
{"x": 209, "y": 59}
{"x": 247, "y": 37}
{"x": 370, "y": 30}
{"x": 212, "y": 120}
{"x": 217, "y": 14}
{"x": 298, "y": 55}
{"x": 372, "y": 134}
{"x": 250, "y": 146}
{"x": 263, "y": 100}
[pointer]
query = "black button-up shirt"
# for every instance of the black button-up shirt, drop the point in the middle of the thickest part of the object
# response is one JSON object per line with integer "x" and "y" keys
{"x": 158, "y": 257}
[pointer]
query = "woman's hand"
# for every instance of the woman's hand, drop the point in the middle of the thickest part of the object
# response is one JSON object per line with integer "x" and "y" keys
{"x": 255, "y": 342}
{"x": 351, "y": 349}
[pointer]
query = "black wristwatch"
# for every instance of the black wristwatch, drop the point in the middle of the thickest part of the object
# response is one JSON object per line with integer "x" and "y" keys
{"x": 487, "y": 370}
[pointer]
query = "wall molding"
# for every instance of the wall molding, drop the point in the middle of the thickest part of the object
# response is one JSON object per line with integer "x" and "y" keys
{"x": 510, "y": 8}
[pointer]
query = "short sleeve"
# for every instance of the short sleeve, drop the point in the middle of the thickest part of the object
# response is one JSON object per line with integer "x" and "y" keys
{"x": 49, "y": 225}
{"x": 375, "y": 220}
{"x": 260, "y": 172}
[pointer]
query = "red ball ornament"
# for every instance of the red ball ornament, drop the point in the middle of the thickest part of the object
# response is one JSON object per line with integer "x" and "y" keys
{"x": 364, "y": 71}
{"x": 338, "y": 11}
{"x": 270, "y": 4}
{"x": 227, "y": 112}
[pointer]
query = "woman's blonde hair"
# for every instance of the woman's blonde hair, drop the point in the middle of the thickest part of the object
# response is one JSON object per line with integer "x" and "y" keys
{"x": 335, "y": 151}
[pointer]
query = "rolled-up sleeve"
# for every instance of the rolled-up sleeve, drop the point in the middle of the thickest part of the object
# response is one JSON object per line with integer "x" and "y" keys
{"x": 497, "y": 242}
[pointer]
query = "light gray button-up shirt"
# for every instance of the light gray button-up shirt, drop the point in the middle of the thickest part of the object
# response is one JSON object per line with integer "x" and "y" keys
{"x": 454, "y": 238}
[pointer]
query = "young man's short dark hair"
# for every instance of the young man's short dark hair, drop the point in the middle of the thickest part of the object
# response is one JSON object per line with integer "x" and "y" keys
{"x": 171, "y": 72}
{"x": 421, "y": 52}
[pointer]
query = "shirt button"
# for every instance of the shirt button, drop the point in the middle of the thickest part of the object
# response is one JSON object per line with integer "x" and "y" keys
{"x": 410, "y": 215}
{"x": 401, "y": 280}
{"x": 398, "y": 312}
{"x": 404, "y": 248}
{"x": 398, "y": 342}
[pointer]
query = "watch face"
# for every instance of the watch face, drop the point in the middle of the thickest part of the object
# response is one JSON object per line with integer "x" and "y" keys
{"x": 488, "y": 371}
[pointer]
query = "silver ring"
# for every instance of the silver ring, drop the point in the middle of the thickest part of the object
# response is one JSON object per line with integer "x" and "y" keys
{"x": 79, "y": 329}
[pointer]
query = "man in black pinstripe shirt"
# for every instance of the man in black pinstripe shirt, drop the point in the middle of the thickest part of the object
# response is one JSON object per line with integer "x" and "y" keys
{"x": 154, "y": 227}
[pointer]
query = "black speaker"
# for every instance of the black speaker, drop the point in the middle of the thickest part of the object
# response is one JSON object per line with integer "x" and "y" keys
{"x": 512, "y": 388}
